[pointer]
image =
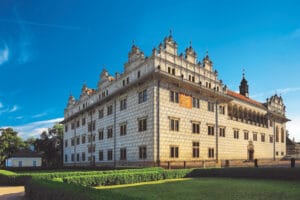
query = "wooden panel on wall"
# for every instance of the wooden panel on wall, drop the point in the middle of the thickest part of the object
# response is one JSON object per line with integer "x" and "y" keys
{"x": 185, "y": 101}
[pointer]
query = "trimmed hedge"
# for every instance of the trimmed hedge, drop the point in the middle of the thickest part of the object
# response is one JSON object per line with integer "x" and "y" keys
{"x": 37, "y": 189}
{"x": 126, "y": 178}
{"x": 9, "y": 178}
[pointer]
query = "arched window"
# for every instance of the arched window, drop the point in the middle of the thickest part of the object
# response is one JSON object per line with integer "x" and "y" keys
{"x": 277, "y": 134}
{"x": 282, "y": 135}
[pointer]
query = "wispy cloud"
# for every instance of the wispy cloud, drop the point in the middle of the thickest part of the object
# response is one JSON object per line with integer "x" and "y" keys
{"x": 4, "y": 53}
{"x": 6, "y": 109}
{"x": 14, "y": 109}
{"x": 280, "y": 91}
{"x": 34, "y": 129}
{"x": 39, "y": 115}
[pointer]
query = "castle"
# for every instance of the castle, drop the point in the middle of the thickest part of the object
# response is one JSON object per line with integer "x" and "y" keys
{"x": 170, "y": 108}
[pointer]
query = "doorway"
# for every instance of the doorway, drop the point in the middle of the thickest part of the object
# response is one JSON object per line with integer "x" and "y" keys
{"x": 250, "y": 154}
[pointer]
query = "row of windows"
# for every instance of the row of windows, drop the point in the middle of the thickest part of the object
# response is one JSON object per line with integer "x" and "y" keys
{"x": 174, "y": 151}
{"x": 142, "y": 126}
{"x": 142, "y": 97}
{"x": 123, "y": 155}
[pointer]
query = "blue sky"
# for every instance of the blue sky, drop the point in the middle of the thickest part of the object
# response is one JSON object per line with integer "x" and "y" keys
{"x": 48, "y": 49}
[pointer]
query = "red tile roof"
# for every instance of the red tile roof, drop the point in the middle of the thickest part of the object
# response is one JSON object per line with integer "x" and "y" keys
{"x": 243, "y": 98}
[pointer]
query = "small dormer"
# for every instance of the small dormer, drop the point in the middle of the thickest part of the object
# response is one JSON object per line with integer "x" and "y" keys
{"x": 71, "y": 100}
{"x": 275, "y": 104}
{"x": 207, "y": 63}
{"x": 190, "y": 55}
{"x": 170, "y": 45}
{"x": 135, "y": 54}
{"x": 104, "y": 77}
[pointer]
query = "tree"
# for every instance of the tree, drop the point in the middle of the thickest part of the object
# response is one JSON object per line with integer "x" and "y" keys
{"x": 50, "y": 145}
{"x": 10, "y": 142}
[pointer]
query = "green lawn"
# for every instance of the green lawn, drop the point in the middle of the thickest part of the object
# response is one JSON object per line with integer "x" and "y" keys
{"x": 212, "y": 188}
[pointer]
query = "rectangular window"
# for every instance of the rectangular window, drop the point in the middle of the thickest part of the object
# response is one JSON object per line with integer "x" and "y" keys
{"x": 196, "y": 103}
{"x": 123, "y": 129}
{"x": 210, "y": 106}
{"x": 34, "y": 163}
{"x": 72, "y": 126}
{"x": 222, "y": 110}
{"x": 124, "y": 82}
{"x": 77, "y": 157}
{"x": 83, "y": 156}
{"x": 174, "y": 124}
{"x": 123, "y": 104}
{"x": 83, "y": 139}
{"x": 91, "y": 148}
{"x": 72, "y": 141}
{"x": 254, "y": 136}
{"x": 174, "y": 97}
{"x": 109, "y": 109}
{"x": 66, "y": 143}
{"x": 89, "y": 127}
{"x": 100, "y": 155}
{"x": 143, "y": 96}
{"x": 211, "y": 152}
{"x": 78, "y": 140}
{"x": 100, "y": 114}
{"x": 77, "y": 123}
{"x": 210, "y": 130}
{"x": 263, "y": 137}
{"x": 236, "y": 134}
{"x": 142, "y": 152}
{"x": 139, "y": 74}
{"x": 271, "y": 138}
{"x": 173, "y": 71}
{"x": 72, "y": 157}
{"x": 196, "y": 128}
{"x": 174, "y": 152}
{"x": 246, "y": 135}
{"x": 222, "y": 132}
{"x": 101, "y": 135}
{"x": 127, "y": 80}
{"x": 83, "y": 121}
{"x": 196, "y": 151}
{"x": 123, "y": 154}
{"x": 94, "y": 125}
{"x": 109, "y": 132}
{"x": 66, "y": 158}
{"x": 66, "y": 127}
{"x": 142, "y": 124}
{"x": 109, "y": 154}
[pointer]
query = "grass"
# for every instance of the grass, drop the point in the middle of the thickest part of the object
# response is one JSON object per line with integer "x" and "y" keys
{"x": 6, "y": 173}
{"x": 213, "y": 188}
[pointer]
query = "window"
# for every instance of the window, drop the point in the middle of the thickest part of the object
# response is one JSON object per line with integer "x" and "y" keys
{"x": 66, "y": 143}
{"x": 196, "y": 103}
{"x": 101, "y": 135}
{"x": 254, "y": 136}
{"x": 66, "y": 158}
{"x": 72, "y": 157}
{"x": 210, "y": 106}
{"x": 271, "y": 138}
{"x": 174, "y": 124}
{"x": 78, "y": 140}
{"x": 174, "y": 152}
{"x": 91, "y": 138}
{"x": 77, "y": 123}
{"x": 169, "y": 70}
{"x": 236, "y": 134}
{"x": 100, "y": 155}
{"x": 222, "y": 131}
{"x": 77, "y": 157}
{"x": 100, "y": 114}
{"x": 211, "y": 152}
{"x": 174, "y": 97}
{"x": 20, "y": 163}
{"x": 72, "y": 126}
{"x": 109, "y": 154}
{"x": 142, "y": 152}
{"x": 109, "y": 132}
{"x": 83, "y": 121}
{"x": 72, "y": 141}
{"x": 142, "y": 124}
{"x": 91, "y": 148}
{"x": 109, "y": 109}
{"x": 246, "y": 135}
{"x": 282, "y": 153}
{"x": 143, "y": 96}
{"x": 282, "y": 135}
{"x": 83, "y": 156}
{"x": 173, "y": 71}
{"x": 277, "y": 153}
{"x": 210, "y": 130}
{"x": 66, "y": 127}
{"x": 196, "y": 128}
{"x": 94, "y": 125}
{"x": 34, "y": 163}
{"x": 193, "y": 78}
{"x": 123, "y": 130}
{"x": 139, "y": 74}
{"x": 83, "y": 139}
{"x": 127, "y": 80}
{"x": 196, "y": 151}
{"x": 222, "y": 110}
{"x": 263, "y": 137}
{"x": 123, "y": 154}
{"x": 124, "y": 82}
{"x": 123, "y": 104}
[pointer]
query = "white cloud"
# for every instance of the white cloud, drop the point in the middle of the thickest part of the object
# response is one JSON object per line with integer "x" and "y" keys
{"x": 39, "y": 115}
{"x": 279, "y": 91}
{"x": 14, "y": 109}
{"x": 34, "y": 129}
{"x": 4, "y": 54}
{"x": 294, "y": 128}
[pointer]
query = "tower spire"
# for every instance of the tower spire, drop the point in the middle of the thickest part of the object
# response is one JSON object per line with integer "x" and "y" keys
{"x": 244, "y": 88}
